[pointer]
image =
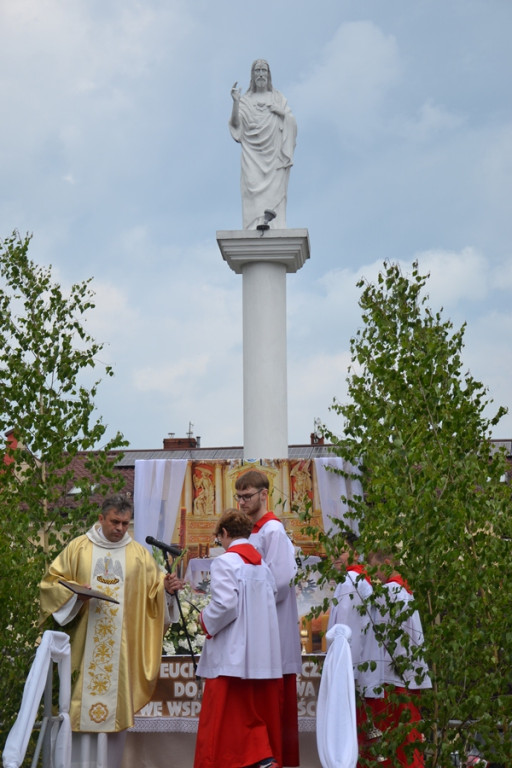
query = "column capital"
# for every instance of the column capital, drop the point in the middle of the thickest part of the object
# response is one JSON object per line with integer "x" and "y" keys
{"x": 279, "y": 246}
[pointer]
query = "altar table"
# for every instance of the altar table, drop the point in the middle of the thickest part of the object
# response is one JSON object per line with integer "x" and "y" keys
{"x": 164, "y": 732}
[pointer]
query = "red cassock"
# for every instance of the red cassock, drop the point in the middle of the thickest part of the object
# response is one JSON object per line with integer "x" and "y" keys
{"x": 240, "y": 720}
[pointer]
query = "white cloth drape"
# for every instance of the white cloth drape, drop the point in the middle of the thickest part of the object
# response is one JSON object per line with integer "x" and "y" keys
{"x": 97, "y": 750}
{"x": 157, "y": 493}
{"x": 331, "y": 487}
{"x": 336, "y": 729}
{"x": 54, "y": 647}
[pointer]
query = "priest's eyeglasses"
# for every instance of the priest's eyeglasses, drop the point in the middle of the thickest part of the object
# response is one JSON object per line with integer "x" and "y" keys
{"x": 245, "y": 496}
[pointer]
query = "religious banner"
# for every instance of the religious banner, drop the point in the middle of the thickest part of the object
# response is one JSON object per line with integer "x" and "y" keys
{"x": 184, "y": 500}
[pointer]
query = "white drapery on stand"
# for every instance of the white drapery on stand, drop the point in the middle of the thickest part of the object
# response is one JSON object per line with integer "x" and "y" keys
{"x": 157, "y": 493}
{"x": 331, "y": 487}
{"x": 336, "y": 729}
{"x": 54, "y": 647}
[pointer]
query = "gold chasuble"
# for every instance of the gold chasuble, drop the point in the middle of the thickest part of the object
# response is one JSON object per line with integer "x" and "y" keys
{"x": 115, "y": 649}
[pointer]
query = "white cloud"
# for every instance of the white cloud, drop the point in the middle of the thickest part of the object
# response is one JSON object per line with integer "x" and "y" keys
{"x": 74, "y": 70}
{"x": 112, "y": 317}
{"x": 323, "y": 319}
{"x": 135, "y": 244}
{"x": 455, "y": 276}
{"x": 170, "y": 378}
{"x": 355, "y": 73}
{"x": 488, "y": 359}
{"x": 495, "y": 179}
{"x": 314, "y": 380}
{"x": 431, "y": 121}
{"x": 501, "y": 275}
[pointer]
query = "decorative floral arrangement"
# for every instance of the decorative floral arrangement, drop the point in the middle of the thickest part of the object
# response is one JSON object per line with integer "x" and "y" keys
{"x": 192, "y": 601}
{"x": 175, "y": 639}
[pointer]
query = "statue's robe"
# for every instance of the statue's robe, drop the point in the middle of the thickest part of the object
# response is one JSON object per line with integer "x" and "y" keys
{"x": 268, "y": 143}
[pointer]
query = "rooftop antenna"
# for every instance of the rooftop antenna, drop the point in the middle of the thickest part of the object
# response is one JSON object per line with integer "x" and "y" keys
{"x": 190, "y": 433}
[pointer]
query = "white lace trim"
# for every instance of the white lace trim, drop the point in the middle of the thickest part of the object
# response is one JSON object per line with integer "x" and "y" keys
{"x": 189, "y": 725}
{"x": 165, "y": 725}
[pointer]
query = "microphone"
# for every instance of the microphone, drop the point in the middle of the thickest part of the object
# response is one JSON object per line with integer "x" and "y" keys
{"x": 174, "y": 551}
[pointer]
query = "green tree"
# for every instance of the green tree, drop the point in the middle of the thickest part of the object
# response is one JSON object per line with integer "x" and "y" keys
{"x": 45, "y": 355}
{"x": 434, "y": 495}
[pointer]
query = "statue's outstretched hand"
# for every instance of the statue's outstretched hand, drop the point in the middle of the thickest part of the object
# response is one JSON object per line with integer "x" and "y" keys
{"x": 236, "y": 92}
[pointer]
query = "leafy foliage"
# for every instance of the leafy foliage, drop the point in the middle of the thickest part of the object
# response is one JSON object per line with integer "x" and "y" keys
{"x": 45, "y": 352}
{"x": 434, "y": 496}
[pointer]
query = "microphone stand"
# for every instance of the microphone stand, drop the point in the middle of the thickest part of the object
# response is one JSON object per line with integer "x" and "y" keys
{"x": 189, "y": 641}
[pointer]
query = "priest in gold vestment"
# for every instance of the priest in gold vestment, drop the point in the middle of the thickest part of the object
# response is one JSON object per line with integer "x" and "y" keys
{"x": 116, "y": 647}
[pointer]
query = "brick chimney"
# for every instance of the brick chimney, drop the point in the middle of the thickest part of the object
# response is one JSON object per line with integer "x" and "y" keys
{"x": 180, "y": 443}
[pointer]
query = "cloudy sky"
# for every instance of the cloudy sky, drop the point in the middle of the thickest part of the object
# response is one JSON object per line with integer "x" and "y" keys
{"x": 115, "y": 153}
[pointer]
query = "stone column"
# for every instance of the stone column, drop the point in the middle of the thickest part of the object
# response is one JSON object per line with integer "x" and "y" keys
{"x": 263, "y": 258}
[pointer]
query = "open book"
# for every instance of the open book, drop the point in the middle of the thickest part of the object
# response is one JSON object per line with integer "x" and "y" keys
{"x": 87, "y": 591}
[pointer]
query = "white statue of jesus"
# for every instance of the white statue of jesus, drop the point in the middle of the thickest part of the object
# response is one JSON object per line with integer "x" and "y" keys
{"x": 263, "y": 123}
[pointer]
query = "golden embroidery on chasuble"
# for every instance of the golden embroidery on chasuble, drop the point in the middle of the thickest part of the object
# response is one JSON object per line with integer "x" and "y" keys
{"x": 103, "y": 642}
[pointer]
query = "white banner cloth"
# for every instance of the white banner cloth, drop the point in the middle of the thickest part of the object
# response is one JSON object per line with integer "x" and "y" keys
{"x": 336, "y": 729}
{"x": 331, "y": 487}
{"x": 156, "y": 496}
{"x": 54, "y": 647}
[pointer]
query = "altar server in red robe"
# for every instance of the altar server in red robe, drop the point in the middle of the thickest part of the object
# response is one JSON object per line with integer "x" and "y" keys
{"x": 404, "y": 671}
{"x": 240, "y": 723}
{"x": 271, "y": 540}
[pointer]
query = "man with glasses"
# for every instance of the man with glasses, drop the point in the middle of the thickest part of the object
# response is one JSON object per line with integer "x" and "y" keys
{"x": 270, "y": 539}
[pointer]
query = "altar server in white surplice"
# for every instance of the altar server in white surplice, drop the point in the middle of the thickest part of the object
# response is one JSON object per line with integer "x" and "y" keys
{"x": 116, "y": 647}
{"x": 271, "y": 540}
{"x": 240, "y": 722}
{"x": 352, "y": 605}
